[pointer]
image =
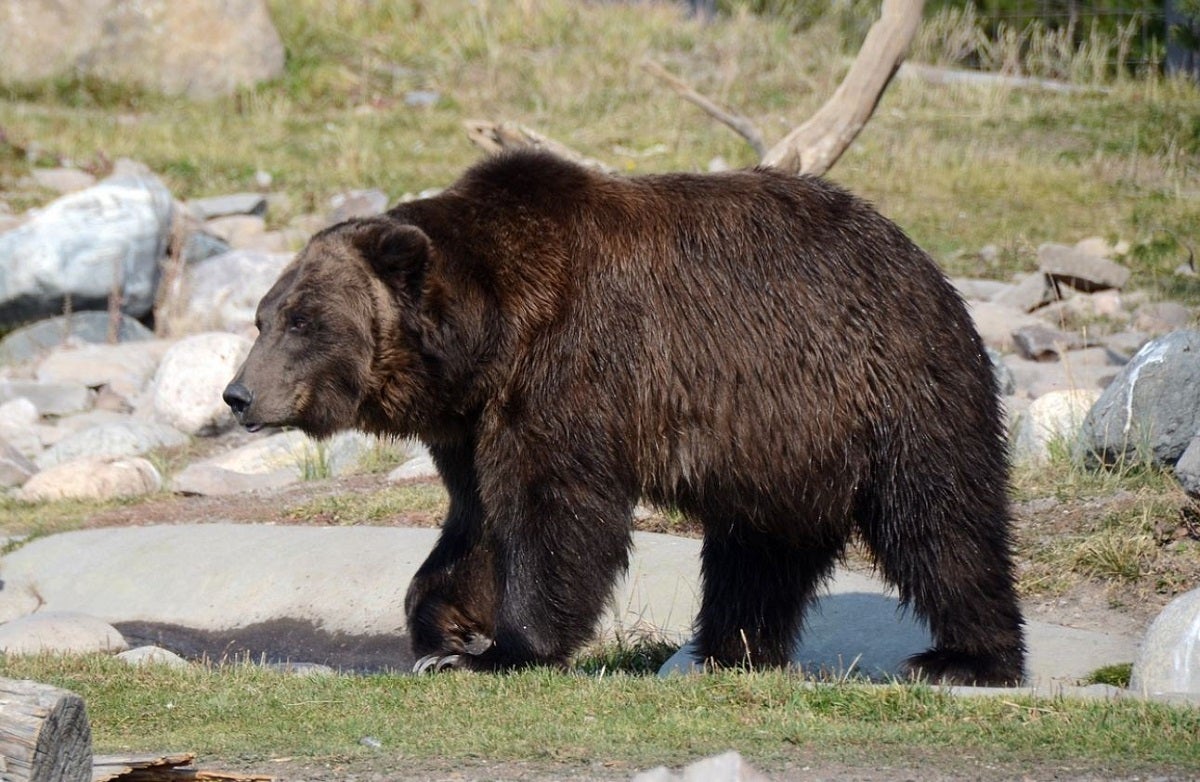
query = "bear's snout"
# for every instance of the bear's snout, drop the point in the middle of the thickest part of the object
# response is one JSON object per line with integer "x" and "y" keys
{"x": 238, "y": 397}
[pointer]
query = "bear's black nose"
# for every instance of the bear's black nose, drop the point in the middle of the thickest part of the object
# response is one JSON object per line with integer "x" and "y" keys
{"x": 238, "y": 397}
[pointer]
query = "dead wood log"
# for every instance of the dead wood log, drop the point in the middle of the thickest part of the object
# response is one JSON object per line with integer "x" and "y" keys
{"x": 44, "y": 734}
{"x": 163, "y": 768}
{"x": 739, "y": 124}
{"x": 496, "y": 137}
{"x": 813, "y": 147}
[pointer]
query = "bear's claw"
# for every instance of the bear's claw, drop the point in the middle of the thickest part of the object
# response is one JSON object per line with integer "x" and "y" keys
{"x": 435, "y": 663}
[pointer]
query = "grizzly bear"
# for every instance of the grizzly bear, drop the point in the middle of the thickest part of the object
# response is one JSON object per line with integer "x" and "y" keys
{"x": 763, "y": 352}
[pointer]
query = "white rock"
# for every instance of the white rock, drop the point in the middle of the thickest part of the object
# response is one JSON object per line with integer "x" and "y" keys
{"x": 1052, "y": 421}
{"x": 59, "y": 632}
{"x": 419, "y": 465}
{"x": 152, "y": 655}
{"x": 125, "y": 368}
{"x": 223, "y": 291}
{"x": 996, "y": 323}
{"x": 1169, "y": 660}
{"x": 15, "y": 469}
{"x": 727, "y": 767}
{"x": 191, "y": 378}
{"x": 93, "y": 479}
{"x": 62, "y": 180}
{"x": 49, "y": 398}
{"x": 121, "y": 438}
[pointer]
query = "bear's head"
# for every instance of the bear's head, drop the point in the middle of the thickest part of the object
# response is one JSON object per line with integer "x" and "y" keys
{"x": 341, "y": 336}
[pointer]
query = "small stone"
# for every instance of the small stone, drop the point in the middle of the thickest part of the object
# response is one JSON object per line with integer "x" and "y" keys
{"x": 1160, "y": 317}
{"x": 418, "y": 466}
{"x": 49, "y": 398}
{"x": 1041, "y": 343}
{"x": 357, "y": 203}
{"x": 989, "y": 254}
{"x": 1052, "y": 421}
{"x": 421, "y": 98}
{"x": 15, "y": 469}
{"x": 996, "y": 323}
{"x": 125, "y": 438}
{"x": 1028, "y": 294}
{"x": 727, "y": 767}
{"x": 1096, "y": 246}
{"x": 62, "y": 180}
{"x": 237, "y": 230}
{"x": 152, "y": 655}
{"x": 1187, "y": 469}
{"x": 234, "y": 204}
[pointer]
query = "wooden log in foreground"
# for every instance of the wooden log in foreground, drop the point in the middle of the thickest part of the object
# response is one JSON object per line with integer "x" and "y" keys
{"x": 44, "y": 734}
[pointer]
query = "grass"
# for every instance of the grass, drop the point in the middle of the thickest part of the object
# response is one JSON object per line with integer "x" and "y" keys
{"x": 958, "y": 167}
{"x": 422, "y": 499}
{"x": 246, "y": 711}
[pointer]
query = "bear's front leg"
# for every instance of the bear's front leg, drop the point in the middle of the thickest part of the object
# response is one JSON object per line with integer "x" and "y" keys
{"x": 558, "y": 529}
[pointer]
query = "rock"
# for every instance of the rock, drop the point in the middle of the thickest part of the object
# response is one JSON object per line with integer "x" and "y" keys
{"x": 127, "y": 438}
{"x": 196, "y": 48}
{"x": 1081, "y": 270}
{"x": 421, "y": 99}
{"x": 200, "y": 245}
{"x": 234, "y": 204}
{"x": 271, "y": 462}
{"x": 152, "y": 655}
{"x": 1152, "y": 409}
{"x": 1082, "y": 310}
{"x": 727, "y": 767}
{"x": 124, "y": 368}
{"x": 357, "y": 203}
{"x": 1168, "y": 662}
{"x": 93, "y": 479}
{"x": 1033, "y": 291}
{"x": 190, "y": 379}
{"x": 77, "y": 245}
{"x": 981, "y": 290}
{"x": 237, "y": 230}
{"x": 49, "y": 398}
{"x": 29, "y": 342}
{"x": 62, "y": 180}
{"x": 59, "y": 632}
{"x": 1125, "y": 344}
{"x": 223, "y": 292}
{"x": 1160, "y": 317}
{"x": 419, "y": 465}
{"x": 19, "y": 426}
{"x": 996, "y": 323}
{"x": 1052, "y": 424}
{"x": 1187, "y": 469}
{"x": 1099, "y": 247}
{"x": 15, "y": 469}
{"x": 1042, "y": 343}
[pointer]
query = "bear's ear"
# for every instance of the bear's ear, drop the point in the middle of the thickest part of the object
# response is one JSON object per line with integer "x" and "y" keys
{"x": 399, "y": 253}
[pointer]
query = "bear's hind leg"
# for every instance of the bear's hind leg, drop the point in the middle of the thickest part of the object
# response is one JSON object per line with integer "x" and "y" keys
{"x": 756, "y": 588}
{"x": 947, "y": 550}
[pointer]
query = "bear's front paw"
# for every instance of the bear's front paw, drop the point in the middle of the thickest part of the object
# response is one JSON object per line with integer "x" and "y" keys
{"x": 435, "y": 663}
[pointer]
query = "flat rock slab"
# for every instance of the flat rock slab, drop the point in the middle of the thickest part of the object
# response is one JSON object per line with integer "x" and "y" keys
{"x": 347, "y": 585}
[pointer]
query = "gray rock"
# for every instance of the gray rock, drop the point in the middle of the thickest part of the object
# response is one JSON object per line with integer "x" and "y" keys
{"x": 1080, "y": 269}
{"x": 1168, "y": 663}
{"x": 29, "y": 342}
{"x": 1053, "y": 420}
{"x": 223, "y": 292}
{"x": 419, "y": 465}
{"x": 983, "y": 290}
{"x": 93, "y": 479}
{"x": 1033, "y": 291}
{"x": 200, "y": 245}
{"x": 62, "y": 180}
{"x": 49, "y": 398}
{"x": 59, "y": 632}
{"x": 192, "y": 47}
{"x": 357, "y": 203}
{"x": 996, "y": 323}
{"x": 1160, "y": 317}
{"x": 19, "y": 425}
{"x": 1125, "y": 344}
{"x": 78, "y": 244}
{"x": 727, "y": 767}
{"x": 1187, "y": 469}
{"x": 1042, "y": 343}
{"x": 1152, "y": 409}
{"x": 233, "y": 204}
{"x": 126, "y": 438}
{"x": 152, "y": 655}
{"x": 237, "y": 231}
{"x": 124, "y": 368}
{"x": 191, "y": 378}
{"x": 15, "y": 469}
{"x": 1006, "y": 381}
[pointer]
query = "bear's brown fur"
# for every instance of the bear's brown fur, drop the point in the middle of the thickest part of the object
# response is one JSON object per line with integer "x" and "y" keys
{"x": 763, "y": 352}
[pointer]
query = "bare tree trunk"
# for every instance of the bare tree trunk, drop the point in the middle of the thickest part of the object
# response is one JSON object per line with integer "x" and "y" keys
{"x": 812, "y": 148}
{"x": 44, "y": 734}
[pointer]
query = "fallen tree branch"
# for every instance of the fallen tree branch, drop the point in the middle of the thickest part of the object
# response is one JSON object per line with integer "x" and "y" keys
{"x": 739, "y": 124}
{"x": 812, "y": 148}
{"x": 496, "y": 137}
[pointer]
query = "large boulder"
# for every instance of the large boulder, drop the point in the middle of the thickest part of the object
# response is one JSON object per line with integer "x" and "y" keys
{"x": 190, "y": 379}
{"x": 1168, "y": 662}
{"x": 93, "y": 479}
{"x": 81, "y": 245}
{"x": 222, "y": 292}
{"x": 120, "y": 438}
{"x": 29, "y": 342}
{"x": 197, "y": 48}
{"x": 1151, "y": 410}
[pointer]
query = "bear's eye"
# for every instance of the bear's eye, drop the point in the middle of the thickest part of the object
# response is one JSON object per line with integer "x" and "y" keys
{"x": 297, "y": 322}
